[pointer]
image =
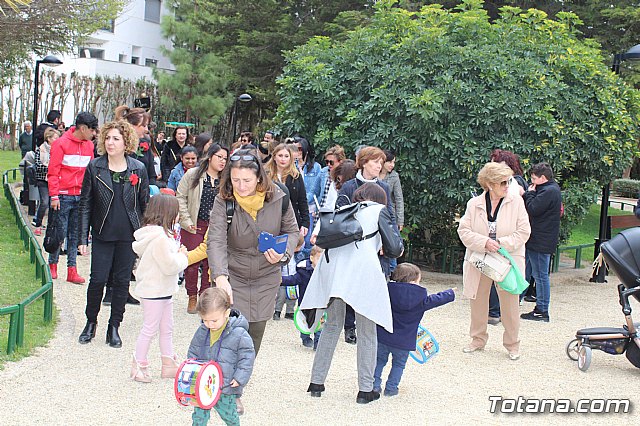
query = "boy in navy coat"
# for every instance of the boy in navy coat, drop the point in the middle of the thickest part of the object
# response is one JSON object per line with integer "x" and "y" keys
{"x": 409, "y": 301}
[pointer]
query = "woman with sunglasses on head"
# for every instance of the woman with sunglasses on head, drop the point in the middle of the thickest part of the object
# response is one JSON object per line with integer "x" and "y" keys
{"x": 196, "y": 192}
{"x": 494, "y": 219}
{"x": 256, "y": 205}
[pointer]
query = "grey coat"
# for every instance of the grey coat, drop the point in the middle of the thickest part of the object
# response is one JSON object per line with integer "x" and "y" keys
{"x": 397, "y": 199}
{"x": 233, "y": 351}
{"x": 234, "y": 252}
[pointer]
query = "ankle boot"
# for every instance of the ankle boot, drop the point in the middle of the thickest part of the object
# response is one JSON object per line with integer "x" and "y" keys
{"x": 73, "y": 277}
{"x": 367, "y": 397}
{"x": 140, "y": 371}
{"x": 53, "y": 268}
{"x": 113, "y": 338}
{"x": 88, "y": 333}
{"x": 315, "y": 390}
{"x": 191, "y": 307}
{"x": 170, "y": 366}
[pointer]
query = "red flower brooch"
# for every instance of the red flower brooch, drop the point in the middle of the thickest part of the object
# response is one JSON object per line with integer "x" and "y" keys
{"x": 134, "y": 179}
{"x": 144, "y": 146}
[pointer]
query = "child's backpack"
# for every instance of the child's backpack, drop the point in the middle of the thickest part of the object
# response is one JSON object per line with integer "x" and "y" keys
{"x": 231, "y": 204}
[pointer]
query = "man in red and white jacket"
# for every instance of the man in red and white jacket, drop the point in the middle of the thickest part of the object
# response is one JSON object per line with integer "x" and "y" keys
{"x": 70, "y": 155}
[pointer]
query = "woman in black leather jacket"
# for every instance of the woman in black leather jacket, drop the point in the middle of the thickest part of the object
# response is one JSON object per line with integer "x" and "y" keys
{"x": 115, "y": 192}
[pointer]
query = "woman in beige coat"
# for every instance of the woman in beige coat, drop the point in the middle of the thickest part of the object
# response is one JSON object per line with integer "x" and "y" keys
{"x": 196, "y": 192}
{"x": 252, "y": 278}
{"x": 494, "y": 219}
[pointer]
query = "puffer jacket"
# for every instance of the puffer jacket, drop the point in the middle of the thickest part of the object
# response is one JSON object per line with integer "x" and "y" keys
{"x": 97, "y": 195}
{"x": 233, "y": 351}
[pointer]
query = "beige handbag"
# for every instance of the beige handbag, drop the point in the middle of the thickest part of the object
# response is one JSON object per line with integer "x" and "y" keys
{"x": 493, "y": 265}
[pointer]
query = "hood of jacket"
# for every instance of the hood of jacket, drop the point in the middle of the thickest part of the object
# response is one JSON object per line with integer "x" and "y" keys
{"x": 236, "y": 319}
{"x": 145, "y": 236}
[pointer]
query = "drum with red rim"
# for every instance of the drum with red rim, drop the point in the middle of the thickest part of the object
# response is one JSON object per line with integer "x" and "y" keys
{"x": 198, "y": 383}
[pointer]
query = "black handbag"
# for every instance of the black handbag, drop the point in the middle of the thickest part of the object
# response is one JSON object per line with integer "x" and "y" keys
{"x": 54, "y": 237}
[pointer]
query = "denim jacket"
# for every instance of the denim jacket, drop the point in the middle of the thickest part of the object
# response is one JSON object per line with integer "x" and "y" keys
{"x": 312, "y": 181}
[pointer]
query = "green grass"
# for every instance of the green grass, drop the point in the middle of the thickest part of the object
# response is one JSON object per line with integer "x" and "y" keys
{"x": 590, "y": 226}
{"x": 17, "y": 278}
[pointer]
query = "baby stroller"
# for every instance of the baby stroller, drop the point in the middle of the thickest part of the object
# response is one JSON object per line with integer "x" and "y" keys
{"x": 622, "y": 255}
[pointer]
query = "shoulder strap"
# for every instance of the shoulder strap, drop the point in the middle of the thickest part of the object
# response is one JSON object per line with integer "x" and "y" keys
{"x": 231, "y": 206}
{"x": 286, "y": 198}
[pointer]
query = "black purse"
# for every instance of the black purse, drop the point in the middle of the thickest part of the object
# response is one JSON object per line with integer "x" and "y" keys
{"x": 54, "y": 236}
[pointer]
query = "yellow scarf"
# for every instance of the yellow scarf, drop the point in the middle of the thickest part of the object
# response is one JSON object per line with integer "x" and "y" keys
{"x": 215, "y": 334}
{"x": 251, "y": 203}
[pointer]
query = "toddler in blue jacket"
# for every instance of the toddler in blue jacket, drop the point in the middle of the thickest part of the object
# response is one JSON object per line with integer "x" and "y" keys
{"x": 409, "y": 301}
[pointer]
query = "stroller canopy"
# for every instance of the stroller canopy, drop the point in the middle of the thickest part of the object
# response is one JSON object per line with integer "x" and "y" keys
{"x": 622, "y": 254}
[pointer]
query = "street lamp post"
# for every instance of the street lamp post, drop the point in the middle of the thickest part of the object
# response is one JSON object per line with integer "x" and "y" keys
{"x": 632, "y": 54}
{"x": 245, "y": 97}
{"x": 47, "y": 60}
{"x": 51, "y": 61}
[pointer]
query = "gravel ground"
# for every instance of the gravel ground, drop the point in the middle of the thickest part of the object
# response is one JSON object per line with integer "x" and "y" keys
{"x": 68, "y": 383}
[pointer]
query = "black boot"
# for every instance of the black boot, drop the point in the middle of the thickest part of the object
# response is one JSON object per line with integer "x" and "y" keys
{"x": 132, "y": 300}
{"x": 367, "y": 397}
{"x": 350, "y": 336}
{"x": 107, "y": 296}
{"x": 315, "y": 390}
{"x": 113, "y": 338}
{"x": 88, "y": 333}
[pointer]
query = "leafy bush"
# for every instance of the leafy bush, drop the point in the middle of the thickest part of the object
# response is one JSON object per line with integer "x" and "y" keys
{"x": 443, "y": 88}
{"x": 628, "y": 188}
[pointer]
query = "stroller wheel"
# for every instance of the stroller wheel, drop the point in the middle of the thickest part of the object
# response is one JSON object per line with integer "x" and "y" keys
{"x": 584, "y": 357}
{"x": 572, "y": 349}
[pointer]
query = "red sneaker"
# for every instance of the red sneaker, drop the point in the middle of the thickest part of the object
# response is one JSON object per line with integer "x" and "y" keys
{"x": 53, "y": 267}
{"x": 37, "y": 231}
{"x": 73, "y": 277}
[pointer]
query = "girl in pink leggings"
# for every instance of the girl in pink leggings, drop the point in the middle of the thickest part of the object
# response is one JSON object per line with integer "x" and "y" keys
{"x": 161, "y": 260}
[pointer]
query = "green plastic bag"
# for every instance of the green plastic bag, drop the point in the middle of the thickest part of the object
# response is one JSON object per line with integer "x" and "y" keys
{"x": 514, "y": 282}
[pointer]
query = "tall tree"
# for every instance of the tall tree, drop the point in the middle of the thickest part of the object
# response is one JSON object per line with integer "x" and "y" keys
{"x": 199, "y": 84}
{"x": 40, "y": 27}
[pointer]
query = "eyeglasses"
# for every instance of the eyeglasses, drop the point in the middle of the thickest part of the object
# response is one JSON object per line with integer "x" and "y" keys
{"x": 330, "y": 162}
{"x": 220, "y": 157}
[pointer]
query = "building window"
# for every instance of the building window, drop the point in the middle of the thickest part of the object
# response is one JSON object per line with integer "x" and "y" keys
{"x": 86, "y": 52}
{"x": 150, "y": 62}
{"x": 122, "y": 58}
{"x": 152, "y": 10}
{"x": 135, "y": 60}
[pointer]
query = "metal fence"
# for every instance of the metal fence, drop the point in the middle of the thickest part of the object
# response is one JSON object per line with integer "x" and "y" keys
{"x": 17, "y": 311}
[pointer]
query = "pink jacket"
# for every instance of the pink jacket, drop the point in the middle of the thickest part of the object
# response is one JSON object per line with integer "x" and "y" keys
{"x": 512, "y": 231}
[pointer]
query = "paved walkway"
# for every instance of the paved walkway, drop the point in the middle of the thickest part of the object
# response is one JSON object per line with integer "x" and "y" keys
{"x": 66, "y": 383}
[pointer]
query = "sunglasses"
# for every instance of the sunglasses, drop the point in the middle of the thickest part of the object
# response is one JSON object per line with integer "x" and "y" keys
{"x": 506, "y": 182}
{"x": 235, "y": 158}
{"x": 330, "y": 162}
{"x": 220, "y": 157}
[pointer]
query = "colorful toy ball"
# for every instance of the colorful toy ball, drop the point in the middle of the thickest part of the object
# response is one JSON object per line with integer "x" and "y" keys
{"x": 426, "y": 346}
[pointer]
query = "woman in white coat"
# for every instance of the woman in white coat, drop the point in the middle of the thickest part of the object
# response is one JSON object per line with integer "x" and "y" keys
{"x": 352, "y": 275}
{"x": 496, "y": 218}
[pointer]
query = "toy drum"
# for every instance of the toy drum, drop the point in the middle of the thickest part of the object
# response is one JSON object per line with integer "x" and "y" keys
{"x": 292, "y": 292}
{"x": 198, "y": 383}
{"x": 426, "y": 346}
{"x": 300, "y": 321}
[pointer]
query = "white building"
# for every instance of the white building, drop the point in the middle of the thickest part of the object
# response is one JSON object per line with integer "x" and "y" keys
{"x": 129, "y": 48}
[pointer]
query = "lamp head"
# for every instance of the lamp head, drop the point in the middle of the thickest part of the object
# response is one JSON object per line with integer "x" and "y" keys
{"x": 245, "y": 97}
{"x": 632, "y": 54}
{"x": 50, "y": 60}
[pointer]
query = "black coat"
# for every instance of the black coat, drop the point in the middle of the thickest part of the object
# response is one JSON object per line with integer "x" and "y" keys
{"x": 147, "y": 159}
{"x": 97, "y": 195}
{"x": 298, "y": 197}
{"x": 543, "y": 206}
{"x": 169, "y": 158}
{"x": 637, "y": 209}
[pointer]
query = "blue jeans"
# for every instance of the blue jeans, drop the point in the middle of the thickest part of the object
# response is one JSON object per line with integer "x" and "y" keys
{"x": 398, "y": 362}
{"x": 69, "y": 218}
{"x": 538, "y": 267}
{"x": 494, "y": 302}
